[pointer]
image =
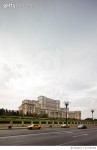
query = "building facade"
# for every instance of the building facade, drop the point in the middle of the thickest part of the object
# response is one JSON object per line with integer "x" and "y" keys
{"x": 44, "y": 105}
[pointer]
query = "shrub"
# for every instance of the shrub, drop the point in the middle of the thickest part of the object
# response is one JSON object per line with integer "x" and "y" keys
{"x": 55, "y": 122}
{"x": 43, "y": 122}
{"x": 49, "y": 122}
{"x": 35, "y": 122}
{"x": 17, "y": 122}
{"x": 4, "y": 121}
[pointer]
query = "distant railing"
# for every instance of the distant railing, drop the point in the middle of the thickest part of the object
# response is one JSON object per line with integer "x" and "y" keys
{"x": 54, "y": 123}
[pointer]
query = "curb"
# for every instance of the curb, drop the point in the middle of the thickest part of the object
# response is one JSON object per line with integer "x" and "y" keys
{"x": 13, "y": 128}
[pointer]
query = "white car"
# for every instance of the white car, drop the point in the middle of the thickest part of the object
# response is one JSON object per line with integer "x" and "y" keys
{"x": 65, "y": 126}
{"x": 82, "y": 126}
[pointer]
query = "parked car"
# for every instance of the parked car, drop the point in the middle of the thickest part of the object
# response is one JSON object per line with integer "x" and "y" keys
{"x": 34, "y": 126}
{"x": 65, "y": 126}
{"x": 82, "y": 126}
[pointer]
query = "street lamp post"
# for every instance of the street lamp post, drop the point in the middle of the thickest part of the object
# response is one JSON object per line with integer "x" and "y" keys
{"x": 66, "y": 104}
{"x": 92, "y": 110}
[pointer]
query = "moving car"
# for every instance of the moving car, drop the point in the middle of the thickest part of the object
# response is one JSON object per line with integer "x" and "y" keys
{"x": 34, "y": 126}
{"x": 82, "y": 126}
{"x": 65, "y": 126}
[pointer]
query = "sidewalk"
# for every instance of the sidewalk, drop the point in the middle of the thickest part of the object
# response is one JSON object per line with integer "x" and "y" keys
{"x": 7, "y": 128}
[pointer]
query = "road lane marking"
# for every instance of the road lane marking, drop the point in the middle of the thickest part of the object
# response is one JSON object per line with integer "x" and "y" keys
{"x": 88, "y": 129}
{"x": 67, "y": 132}
{"x": 67, "y": 143}
{"x": 47, "y": 137}
{"x": 56, "y": 132}
{"x": 24, "y": 135}
{"x": 33, "y": 134}
{"x": 80, "y": 135}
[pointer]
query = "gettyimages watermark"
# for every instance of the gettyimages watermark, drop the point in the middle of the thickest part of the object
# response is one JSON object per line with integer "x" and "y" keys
{"x": 11, "y": 5}
{"x": 83, "y": 147}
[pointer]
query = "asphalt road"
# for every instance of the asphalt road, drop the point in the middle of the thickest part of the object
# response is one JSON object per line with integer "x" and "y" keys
{"x": 49, "y": 137}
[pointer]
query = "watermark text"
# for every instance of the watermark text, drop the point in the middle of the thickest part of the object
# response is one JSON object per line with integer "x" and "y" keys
{"x": 11, "y": 5}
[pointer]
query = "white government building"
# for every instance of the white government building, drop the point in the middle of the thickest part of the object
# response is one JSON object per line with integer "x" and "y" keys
{"x": 44, "y": 105}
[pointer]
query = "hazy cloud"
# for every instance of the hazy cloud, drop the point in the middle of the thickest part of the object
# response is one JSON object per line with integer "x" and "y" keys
{"x": 49, "y": 49}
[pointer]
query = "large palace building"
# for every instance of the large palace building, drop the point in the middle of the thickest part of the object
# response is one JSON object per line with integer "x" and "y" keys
{"x": 44, "y": 105}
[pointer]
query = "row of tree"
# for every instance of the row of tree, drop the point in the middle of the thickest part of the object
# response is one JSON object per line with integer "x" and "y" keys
{"x": 5, "y": 112}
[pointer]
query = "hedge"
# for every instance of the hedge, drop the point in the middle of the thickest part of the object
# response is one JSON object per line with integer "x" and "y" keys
{"x": 60, "y": 122}
{"x": 49, "y": 122}
{"x": 4, "y": 121}
{"x": 55, "y": 122}
{"x": 27, "y": 122}
{"x": 43, "y": 122}
{"x": 34, "y": 122}
{"x": 17, "y": 122}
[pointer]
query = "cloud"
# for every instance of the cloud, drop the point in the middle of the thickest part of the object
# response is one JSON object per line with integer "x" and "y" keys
{"x": 51, "y": 51}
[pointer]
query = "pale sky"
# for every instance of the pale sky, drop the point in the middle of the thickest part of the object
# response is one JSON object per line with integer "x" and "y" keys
{"x": 49, "y": 47}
